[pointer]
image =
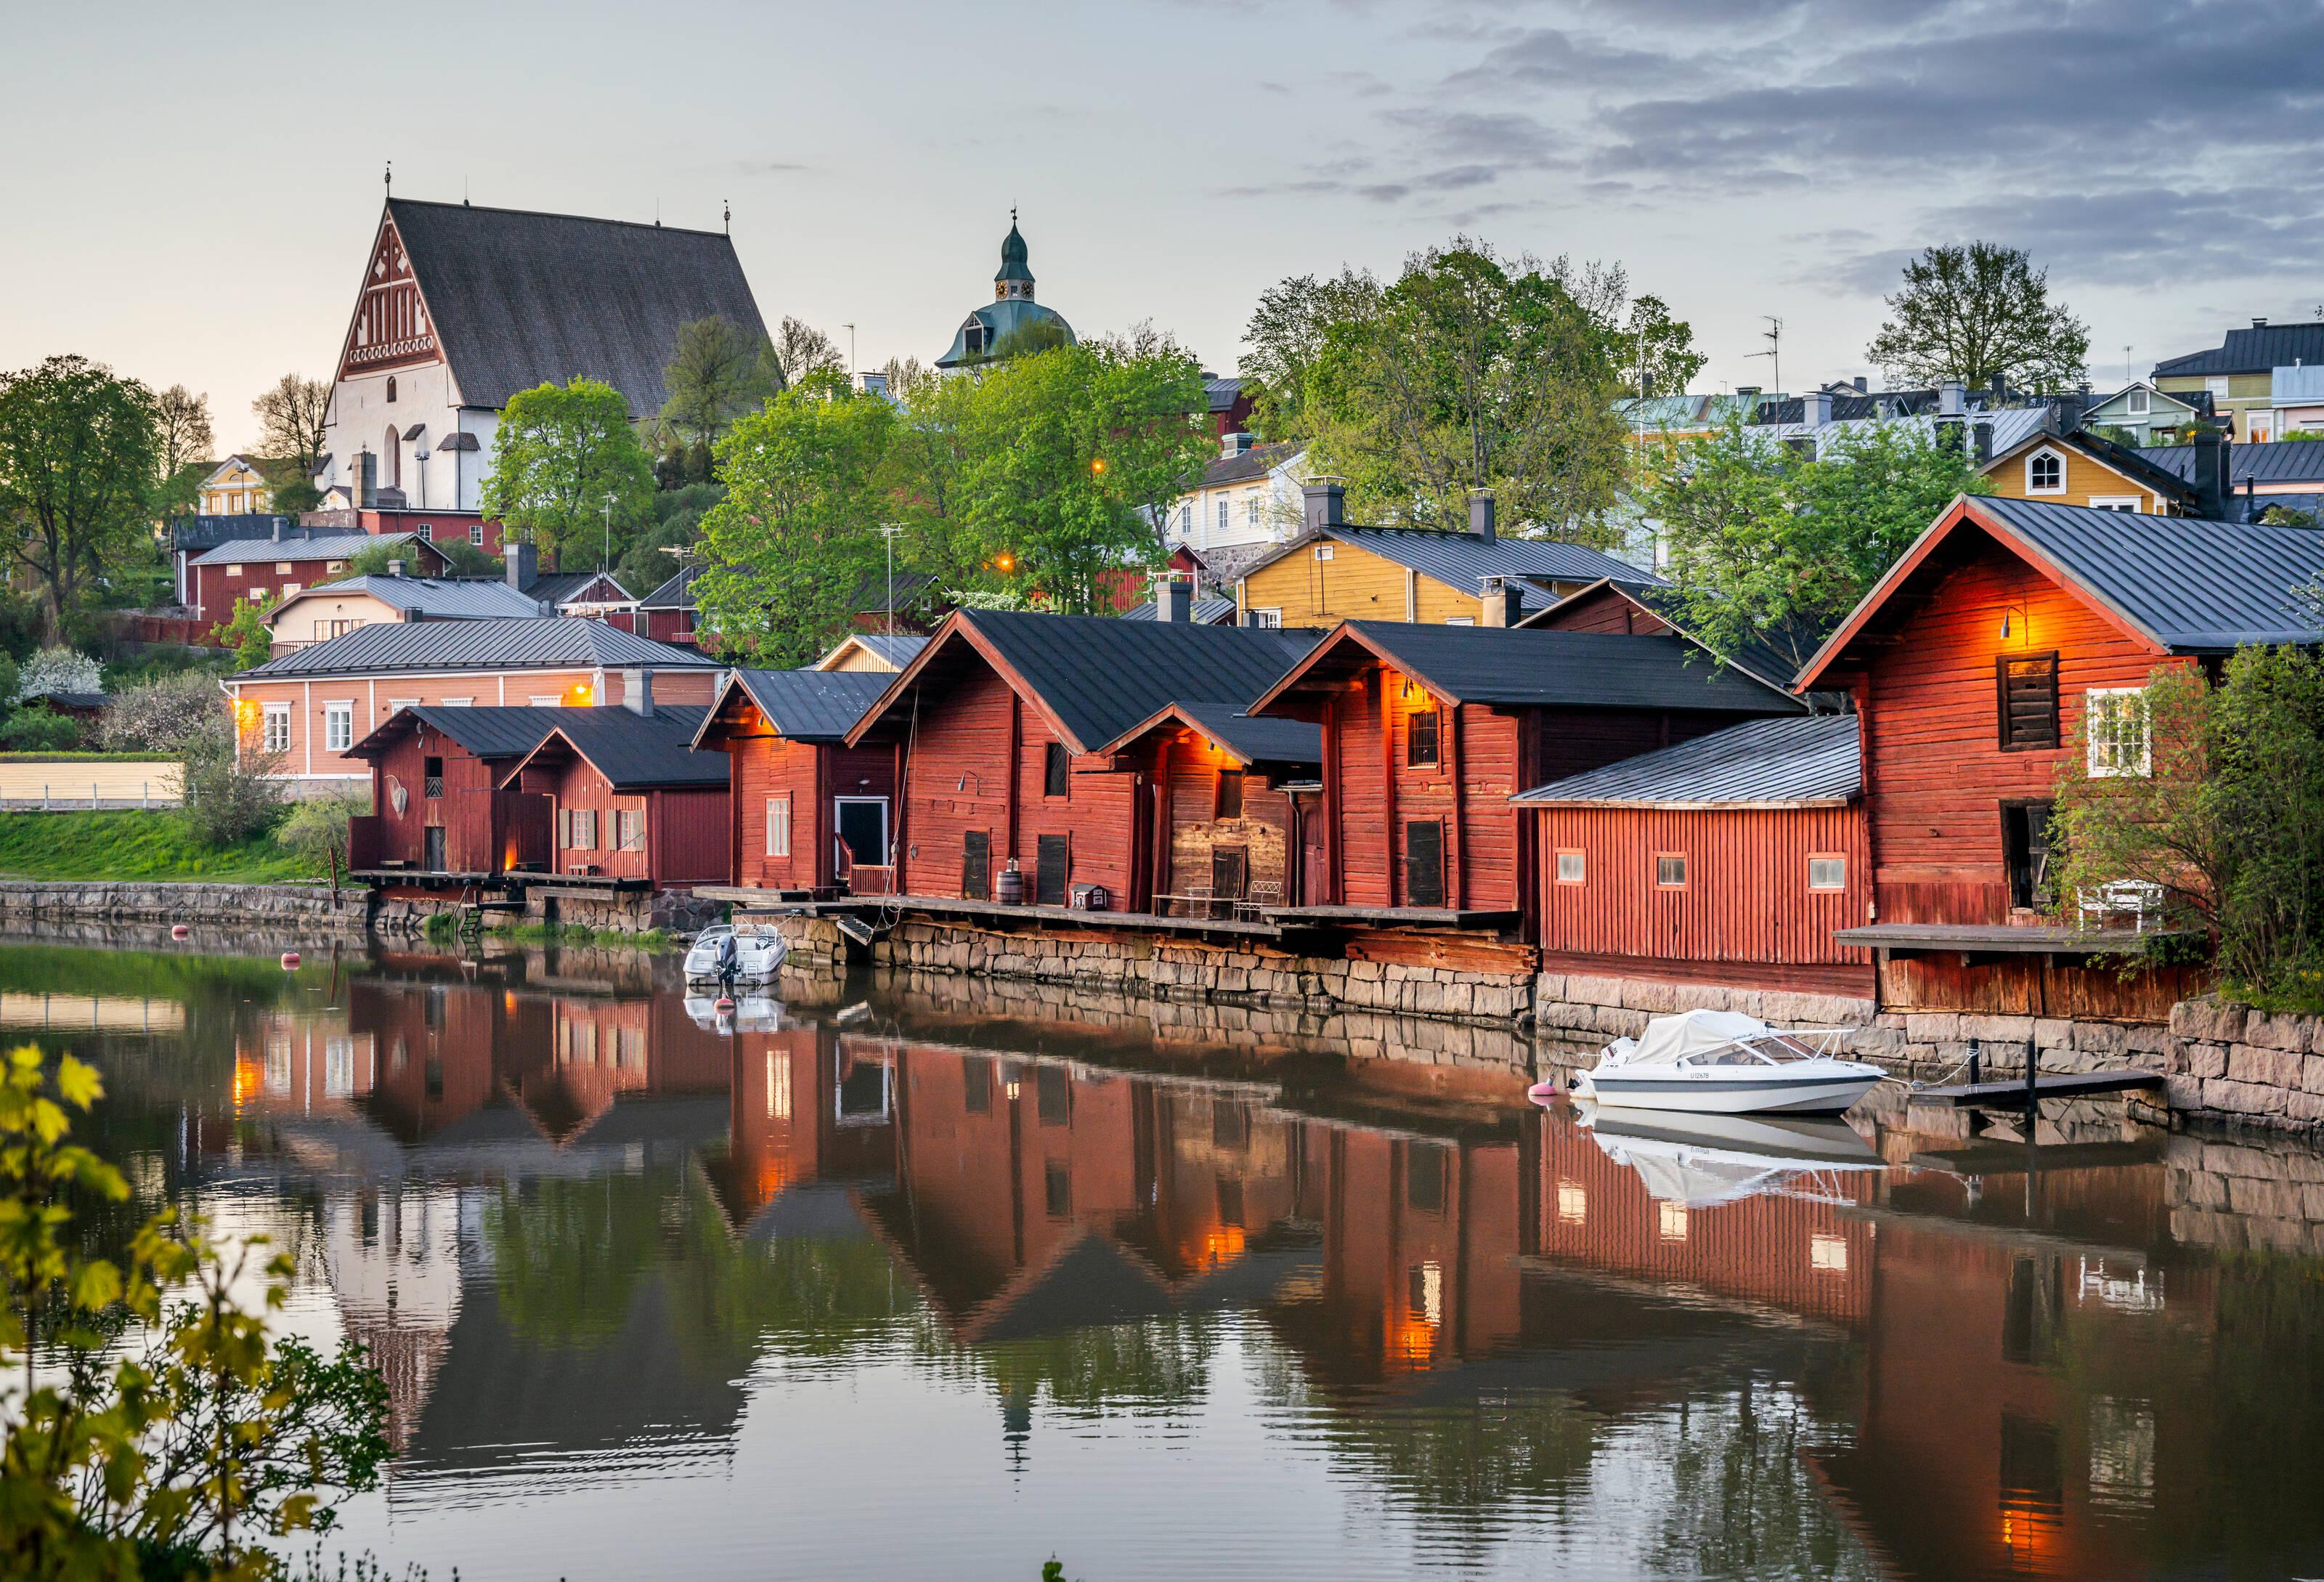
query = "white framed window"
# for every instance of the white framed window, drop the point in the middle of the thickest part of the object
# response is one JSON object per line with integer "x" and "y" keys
{"x": 234, "y": 571}
{"x": 338, "y": 727}
{"x": 1186, "y": 520}
{"x": 547, "y": 700}
{"x": 2131, "y": 503}
{"x": 476, "y": 534}
{"x": 630, "y": 828}
{"x": 275, "y": 734}
{"x": 2136, "y": 404}
{"x": 2217, "y": 384}
{"x": 1250, "y": 509}
{"x": 1323, "y": 551}
{"x": 1670, "y": 870}
{"x": 282, "y": 567}
{"x": 2045, "y": 473}
{"x": 1572, "y": 869}
{"x": 1827, "y": 871}
{"x": 459, "y": 703}
{"x": 396, "y": 704}
{"x": 2115, "y": 738}
{"x": 581, "y": 828}
{"x": 1222, "y": 516}
{"x": 289, "y": 589}
{"x": 1273, "y": 617}
{"x": 779, "y": 827}
{"x": 335, "y": 565}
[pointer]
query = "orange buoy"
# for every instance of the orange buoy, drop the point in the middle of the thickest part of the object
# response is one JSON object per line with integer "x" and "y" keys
{"x": 179, "y": 931}
{"x": 722, "y": 1005}
{"x": 289, "y": 960}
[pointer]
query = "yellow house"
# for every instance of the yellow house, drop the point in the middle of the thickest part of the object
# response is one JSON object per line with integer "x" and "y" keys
{"x": 872, "y": 651}
{"x": 237, "y": 486}
{"x": 2082, "y": 470}
{"x": 1336, "y": 571}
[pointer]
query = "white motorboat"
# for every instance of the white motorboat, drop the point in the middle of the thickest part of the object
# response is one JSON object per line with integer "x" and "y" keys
{"x": 1724, "y": 1063}
{"x": 1704, "y": 1160}
{"x": 723, "y": 954}
{"x": 745, "y": 1014}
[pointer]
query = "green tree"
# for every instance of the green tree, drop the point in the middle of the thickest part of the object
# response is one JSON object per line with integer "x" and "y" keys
{"x": 719, "y": 372}
{"x": 246, "y": 632}
{"x": 1973, "y": 311}
{"x": 799, "y": 526}
{"x": 316, "y": 828}
{"x": 1150, "y": 412}
{"x": 464, "y": 558}
{"x": 79, "y": 461}
{"x": 568, "y": 470}
{"x": 801, "y": 351}
{"x": 1288, "y": 334}
{"x": 1772, "y": 546}
{"x": 293, "y": 416}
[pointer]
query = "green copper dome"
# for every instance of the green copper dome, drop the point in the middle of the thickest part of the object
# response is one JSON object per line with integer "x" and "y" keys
{"x": 1012, "y": 254}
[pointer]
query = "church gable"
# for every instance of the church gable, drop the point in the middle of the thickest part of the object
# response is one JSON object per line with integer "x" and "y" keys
{"x": 392, "y": 327}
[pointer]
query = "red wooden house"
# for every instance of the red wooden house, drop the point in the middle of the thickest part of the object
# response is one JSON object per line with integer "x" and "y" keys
{"x": 2012, "y": 634}
{"x": 809, "y": 810}
{"x": 442, "y": 811}
{"x": 630, "y": 800}
{"x": 1637, "y": 609}
{"x": 1732, "y": 858}
{"x": 263, "y": 568}
{"x": 1006, "y": 717}
{"x": 1428, "y": 731}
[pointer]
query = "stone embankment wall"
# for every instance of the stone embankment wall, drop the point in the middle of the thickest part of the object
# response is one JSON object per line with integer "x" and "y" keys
{"x": 2226, "y": 1194}
{"x": 307, "y": 907}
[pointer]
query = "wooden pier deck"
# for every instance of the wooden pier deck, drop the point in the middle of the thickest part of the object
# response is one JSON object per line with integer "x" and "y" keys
{"x": 2011, "y": 1094}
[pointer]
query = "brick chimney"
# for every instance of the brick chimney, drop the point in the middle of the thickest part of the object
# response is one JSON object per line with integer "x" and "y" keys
{"x": 2210, "y": 474}
{"x": 1481, "y": 513}
{"x": 1173, "y": 599}
{"x": 637, "y": 692}
{"x": 1324, "y": 504}
{"x": 1504, "y": 604}
{"x": 523, "y": 569}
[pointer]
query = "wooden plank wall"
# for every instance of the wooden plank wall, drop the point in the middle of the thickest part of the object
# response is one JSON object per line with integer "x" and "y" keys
{"x": 811, "y": 774}
{"x": 574, "y": 784}
{"x": 466, "y": 809}
{"x": 686, "y": 836}
{"x": 1264, "y": 830}
{"x": 1747, "y": 897}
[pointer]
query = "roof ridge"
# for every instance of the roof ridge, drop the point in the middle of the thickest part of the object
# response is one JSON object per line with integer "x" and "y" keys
{"x": 590, "y": 220}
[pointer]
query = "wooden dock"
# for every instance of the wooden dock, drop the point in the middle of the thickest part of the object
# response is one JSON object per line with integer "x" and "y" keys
{"x": 2012, "y": 1095}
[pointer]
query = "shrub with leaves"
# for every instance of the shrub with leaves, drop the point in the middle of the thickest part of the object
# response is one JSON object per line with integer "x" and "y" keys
{"x": 35, "y": 729}
{"x": 161, "y": 716}
{"x": 232, "y": 791}
{"x": 246, "y": 632}
{"x": 160, "y": 1431}
{"x": 316, "y": 828}
{"x": 57, "y": 669}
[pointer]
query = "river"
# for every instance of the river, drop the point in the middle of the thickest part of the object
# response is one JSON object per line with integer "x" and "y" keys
{"x": 941, "y": 1279}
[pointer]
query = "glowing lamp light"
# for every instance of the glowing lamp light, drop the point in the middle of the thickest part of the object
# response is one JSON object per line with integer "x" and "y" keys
{"x": 246, "y": 712}
{"x": 1097, "y": 465}
{"x": 1005, "y": 562}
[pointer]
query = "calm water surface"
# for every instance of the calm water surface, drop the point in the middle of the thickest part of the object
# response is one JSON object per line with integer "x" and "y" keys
{"x": 893, "y": 1280}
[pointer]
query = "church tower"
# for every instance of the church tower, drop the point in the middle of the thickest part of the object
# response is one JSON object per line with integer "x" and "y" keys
{"x": 1015, "y": 280}
{"x": 1013, "y": 321}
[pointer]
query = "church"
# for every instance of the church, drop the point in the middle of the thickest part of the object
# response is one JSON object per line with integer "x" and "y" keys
{"x": 1011, "y": 315}
{"x": 462, "y": 307}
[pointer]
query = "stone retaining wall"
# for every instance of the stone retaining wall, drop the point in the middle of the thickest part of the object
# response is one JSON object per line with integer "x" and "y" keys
{"x": 308, "y": 906}
{"x": 2248, "y": 1198}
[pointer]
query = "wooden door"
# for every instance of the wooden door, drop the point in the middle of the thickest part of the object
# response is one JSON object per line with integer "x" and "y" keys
{"x": 977, "y": 864}
{"x": 1052, "y": 866}
{"x": 431, "y": 848}
{"x": 1424, "y": 863}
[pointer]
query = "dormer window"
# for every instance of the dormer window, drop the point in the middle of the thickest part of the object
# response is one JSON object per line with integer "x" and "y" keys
{"x": 2045, "y": 473}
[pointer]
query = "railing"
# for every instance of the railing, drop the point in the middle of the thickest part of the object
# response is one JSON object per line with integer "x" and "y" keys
{"x": 59, "y": 784}
{"x": 864, "y": 879}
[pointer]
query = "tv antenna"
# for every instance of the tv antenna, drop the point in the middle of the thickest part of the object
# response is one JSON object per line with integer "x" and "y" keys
{"x": 1774, "y": 336}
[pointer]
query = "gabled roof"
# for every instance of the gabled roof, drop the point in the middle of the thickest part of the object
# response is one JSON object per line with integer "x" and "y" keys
{"x": 1463, "y": 560}
{"x": 1208, "y": 611}
{"x": 1092, "y": 677}
{"x": 1221, "y": 393}
{"x": 804, "y": 706}
{"x": 453, "y": 599}
{"x": 2254, "y": 350}
{"x": 1811, "y": 761}
{"x": 633, "y": 751}
{"x": 559, "y": 588}
{"x": 1252, "y": 464}
{"x": 2193, "y": 401}
{"x": 2285, "y": 461}
{"x": 240, "y": 460}
{"x": 2122, "y": 460}
{"x": 1519, "y": 666}
{"x": 541, "y": 642}
{"x": 1761, "y": 659}
{"x": 2181, "y": 584}
{"x": 522, "y": 299}
{"x": 676, "y": 593}
{"x": 345, "y": 546}
{"x": 895, "y": 650}
{"x": 487, "y": 733}
{"x": 1249, "y": 741}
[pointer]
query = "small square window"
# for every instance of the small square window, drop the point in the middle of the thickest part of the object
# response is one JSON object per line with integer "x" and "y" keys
{"x": 234, "y": 571}
{"x": 1323, "y": 551}
{"x": 1572, "y": 869}
{"x": 1670, "y": 870}
{"x": 2045, "y": 473}
{"x": 1827, "y": 872}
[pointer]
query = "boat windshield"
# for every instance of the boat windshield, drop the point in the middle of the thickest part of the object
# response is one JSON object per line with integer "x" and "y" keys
{"x": 1783, "y": 1046}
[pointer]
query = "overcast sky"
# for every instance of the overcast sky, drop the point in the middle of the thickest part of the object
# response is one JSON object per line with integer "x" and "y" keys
{"x": 190, "y": 190}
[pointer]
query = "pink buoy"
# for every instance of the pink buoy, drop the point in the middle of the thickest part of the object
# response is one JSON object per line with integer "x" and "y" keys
{"x": 289, "y": 960}
{"x": 179, "y": 931}
{"x": 723, "y": 1005}
{"x": 1542, "y": 1092}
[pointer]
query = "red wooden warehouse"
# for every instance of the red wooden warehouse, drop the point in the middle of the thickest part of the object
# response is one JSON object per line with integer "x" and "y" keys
{"x": 443, "y": 814}
{"x": 630, "y": 800}
{"x": 2012, "y": 635}
{"x": 1732, "y": 858}
{"x": 810, "y": 812}
{"x": 1428, "y": 731}
{"x": 1006, "y": 717}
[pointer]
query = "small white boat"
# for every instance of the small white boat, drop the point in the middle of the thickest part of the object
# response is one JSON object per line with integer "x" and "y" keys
{"x": 745, "y": 1014}
{"x": 1724, "y": 1063}
{"x": 1705, "y": 1159}
{"x": 723, "y": 954}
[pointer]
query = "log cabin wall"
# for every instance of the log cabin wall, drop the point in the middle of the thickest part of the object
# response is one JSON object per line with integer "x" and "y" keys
{"x": 574, "y": 785}
{"x": 1603, "y": 610}
{"x": 1937, "y": 779}
{"x": 957, "y": 779}
{"x": 1097, "y": 818}
{"x": 1745, "y": 897}
{"x": 1193, "y": 768}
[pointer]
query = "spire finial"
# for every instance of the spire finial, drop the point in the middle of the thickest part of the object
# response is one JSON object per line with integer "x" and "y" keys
{"x": 727, "y": 219}
{"x": 388, "y": 179}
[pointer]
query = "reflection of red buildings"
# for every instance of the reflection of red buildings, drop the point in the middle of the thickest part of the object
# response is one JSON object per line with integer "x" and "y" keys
{"x": 807, "y": 1105}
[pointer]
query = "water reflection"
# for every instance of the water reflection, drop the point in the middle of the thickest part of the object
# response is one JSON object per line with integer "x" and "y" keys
{"x": 657, "y": 1289}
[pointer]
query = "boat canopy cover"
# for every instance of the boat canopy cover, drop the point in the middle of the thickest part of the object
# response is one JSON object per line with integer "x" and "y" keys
{"x": 1671, "y": 1038}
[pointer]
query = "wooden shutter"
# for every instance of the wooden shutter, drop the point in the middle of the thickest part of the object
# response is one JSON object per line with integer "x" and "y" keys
{"x": 1049, "y": 870}
{"x": 1424, "y": 863}
{"x": 977, "y": 864}
{"x": 2026, "y": 691}
{"x": 1230, "y": 793}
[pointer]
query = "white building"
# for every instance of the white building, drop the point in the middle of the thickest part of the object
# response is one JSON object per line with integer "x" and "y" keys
{"x": 1247, "y": 497}
{"x": 461, "y": 307}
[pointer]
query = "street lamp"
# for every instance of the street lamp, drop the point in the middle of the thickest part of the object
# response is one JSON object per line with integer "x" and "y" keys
{"x": 420, "y": 455}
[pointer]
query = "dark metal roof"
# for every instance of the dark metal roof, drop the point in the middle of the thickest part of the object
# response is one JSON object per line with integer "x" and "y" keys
{"x": 2258, "y": 349}
{"x": 2285, "y": 461}
{"x": 200, "y": 532}
{"x": 1220, "y": 395}
{"x": 634, "y": 751}
{"x": 872, "y": 589}
{"x": 2193, "y": 584}
{"x": 1261, "y": 740}
{"x": 676, "y": 594}
{"x": 561, "y": 587}
{"x": 488, "y": 733}
{"x": 1249, "y": 466}
{"x": 1801, "y": 762}
{"x": 2132, "y": 462}
{"x": 337, "y": 546}
{"x": 1206, "y": 612}
{"x": 1001, "y": 319}
{"x": 1098, "y": 676}
{"x": 1524, "y": 667}
{"x": 448, "y": 598}
{"x": 898, "y": 648}
{"x": 813, "y": 706}
{"x": 522, "y": 299}
{"x": 541, "y": 642}
{"x": 1464, "y": 559}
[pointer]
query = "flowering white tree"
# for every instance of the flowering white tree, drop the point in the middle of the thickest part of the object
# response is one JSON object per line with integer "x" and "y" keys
{"x": 59, "y": 670}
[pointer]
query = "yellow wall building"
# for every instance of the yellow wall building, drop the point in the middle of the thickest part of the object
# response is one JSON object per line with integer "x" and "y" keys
{"x": 2080, "y": 469}
{"x": 237, "y": 486}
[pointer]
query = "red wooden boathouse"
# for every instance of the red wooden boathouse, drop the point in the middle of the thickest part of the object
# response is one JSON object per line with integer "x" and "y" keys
{"x": 442, "y": 811}
{"x": 630, "y": 800}
{"x": 810, "y": 812}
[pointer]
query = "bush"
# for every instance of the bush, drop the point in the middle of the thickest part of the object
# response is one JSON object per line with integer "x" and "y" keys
{"x": 246, "y": 632}
{"x": 35, "y": 729}
{"x": 230, "y": 795}
{"x": 316, "y": 828}
{"x": 162, "y": 715}
{"x": 57, "y": 669}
